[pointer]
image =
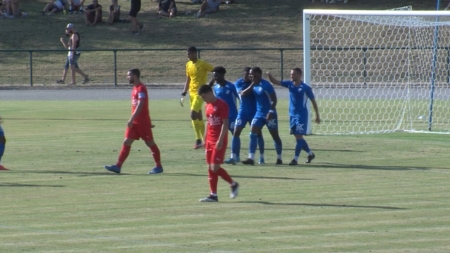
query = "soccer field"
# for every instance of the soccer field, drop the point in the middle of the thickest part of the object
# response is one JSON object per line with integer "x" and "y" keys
{"x": 362, "y": 193}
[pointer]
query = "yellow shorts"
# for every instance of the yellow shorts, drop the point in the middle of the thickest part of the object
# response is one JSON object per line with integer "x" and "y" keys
{"x": 196, "y": 102}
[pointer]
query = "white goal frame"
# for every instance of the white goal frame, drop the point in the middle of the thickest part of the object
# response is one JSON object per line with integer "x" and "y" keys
{"x": 407, "y": 122}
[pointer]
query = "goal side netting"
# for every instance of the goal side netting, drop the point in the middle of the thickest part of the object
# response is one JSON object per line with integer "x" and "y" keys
{"x": 378, "y": 71}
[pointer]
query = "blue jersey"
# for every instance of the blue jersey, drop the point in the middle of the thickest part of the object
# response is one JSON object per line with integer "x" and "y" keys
{"x": 261, "y": 91}
{"x": 228, "y": 94}
{"x": 1, "y": 131}
{"x": 248, "y": 102}
{"x": 299, "y": 97}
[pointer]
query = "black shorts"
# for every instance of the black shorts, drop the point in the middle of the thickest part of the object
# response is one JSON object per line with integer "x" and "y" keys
{"x": 135, "y": 8}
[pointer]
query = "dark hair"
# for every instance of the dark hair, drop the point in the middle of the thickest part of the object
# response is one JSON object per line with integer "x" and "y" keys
{"x": 257, "y": 70}
{"x": 298, "y": 70}
{"x": 247, "y": 69}
{"x": 204, "y": 89}
{"x": 192, "y": 49}
{"x": 219, "y": 69}
{"x": 135, "y": 72}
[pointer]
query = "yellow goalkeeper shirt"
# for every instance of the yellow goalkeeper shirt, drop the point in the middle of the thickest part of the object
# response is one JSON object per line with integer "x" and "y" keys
{"x": 198, "y": 73}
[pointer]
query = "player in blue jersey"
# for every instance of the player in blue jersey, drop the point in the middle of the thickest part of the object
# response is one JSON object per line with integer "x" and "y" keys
{"x": 247, "y": 110}
{"x": 299, "y": 96}
{"x": 266, "y": 114}
{"x": 2, "y": 145}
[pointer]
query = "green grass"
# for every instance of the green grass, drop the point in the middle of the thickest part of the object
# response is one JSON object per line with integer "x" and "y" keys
{"x": 365, "y": 193}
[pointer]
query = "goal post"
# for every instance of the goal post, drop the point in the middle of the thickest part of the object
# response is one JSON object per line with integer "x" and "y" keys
{"x": 378, "y": 71}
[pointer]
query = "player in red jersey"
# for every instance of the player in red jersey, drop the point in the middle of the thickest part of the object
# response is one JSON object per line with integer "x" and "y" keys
{"x": 216, "y": 142}
{"x": 139, "y": 125}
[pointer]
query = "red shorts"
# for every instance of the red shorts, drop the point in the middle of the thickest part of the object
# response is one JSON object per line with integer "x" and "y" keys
{"x": 214, "y": 156}
{"x": 139, "y": 131}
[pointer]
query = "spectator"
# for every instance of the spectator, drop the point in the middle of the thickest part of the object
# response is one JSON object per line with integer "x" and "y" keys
{"x": 93, "y": 13}
{"x": 54, "y": 6}
{"x": 76, "y": 6}
{"x": 114, "y": 12}
{"x": 209, "y": 6}
{"x": 167, "y": 8}
{"x": 12, "y": 9}
{"x": 132, "y": 16}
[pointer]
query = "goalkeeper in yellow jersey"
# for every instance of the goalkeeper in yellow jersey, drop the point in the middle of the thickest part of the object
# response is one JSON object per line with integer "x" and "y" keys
{"x": 196, "y": 76}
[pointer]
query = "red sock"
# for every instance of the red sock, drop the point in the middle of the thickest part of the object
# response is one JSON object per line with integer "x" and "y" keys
{"x": 156, "y": 155}
{"x": 123, "y": 155}
{"x": 213, "y": 178}
{"x": 224, "y": 175}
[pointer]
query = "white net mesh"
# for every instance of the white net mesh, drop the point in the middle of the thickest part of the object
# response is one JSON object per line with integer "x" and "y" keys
{"x": 375, "y": 74}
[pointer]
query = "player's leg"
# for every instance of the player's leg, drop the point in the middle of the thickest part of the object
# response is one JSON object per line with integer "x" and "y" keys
{"x": 145, "y": 132}
{"x": 236, "y": 141}
{"x": 212, "y": 176}
{"x": 255, "y": 131}
{"x": 2, "y": 147}
{"x": 130, "y": 136}
{"x": 197, "y": 119}
{"x": 78, "y": 70}
{"x": 298, "y": 127}
{"x": 272, "y": 125}
{"x": 218, "y": 156}
{"x": 261, "y": 148}
{"x": 66, "y": 68}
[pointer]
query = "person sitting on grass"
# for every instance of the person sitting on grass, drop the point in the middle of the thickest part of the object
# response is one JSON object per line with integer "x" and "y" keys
{"x": 54, "y": 6}
{"x": 167, "y": 8}
{"x": 209, "y": 6}
{"x": 76, "y": 6}
{"x": 93, "y": 13}
{"x": 114, "y": 12}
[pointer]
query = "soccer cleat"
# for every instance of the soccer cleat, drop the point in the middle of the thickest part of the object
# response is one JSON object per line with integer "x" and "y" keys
{"x": 156, "y": 170}
{"x": 279, "y": 162}
{"x": 60, "y": 81}
{"x": 261, "y": 161}
{"x": 113, "y": 168}
{"x": 249, "y": 161}
{"x": 310, "y": 158}
{"x": 230, "y": 161}
{"x": 210, "y": 198}
{"x": 86, "y": 80}
{"x": 2, "y": 167}
{"x": 234, "y": 190}
{"x": 198, "y": 144}
{"x": 293, "y": 162}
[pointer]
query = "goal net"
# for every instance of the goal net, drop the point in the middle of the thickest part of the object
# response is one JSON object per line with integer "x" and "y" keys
{"x": 379, "y": 71}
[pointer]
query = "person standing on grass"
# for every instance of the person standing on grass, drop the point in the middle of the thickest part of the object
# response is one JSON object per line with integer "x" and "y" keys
{"x": 216, "y": 142}
{"x": 72, "y": 58}
{"x": 2, "y": 145}
{"x": 196, "y": 75}
{"x": 132, "y": 15}
{"x": 139, "y": 125}
{"x": 247, "y": 110}
{"x": 299, "y": 94}
{"x": 266, "y": 114}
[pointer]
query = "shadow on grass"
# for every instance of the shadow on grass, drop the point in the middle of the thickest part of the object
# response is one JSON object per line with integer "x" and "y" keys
{"x": 367, "y": 167}
{"x": 27, "y": 185}
{"x": 234, "y": 176}
{"x": 321, "y": 205}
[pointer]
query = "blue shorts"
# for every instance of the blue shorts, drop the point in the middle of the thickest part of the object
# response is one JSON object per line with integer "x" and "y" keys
{"x": 72, "y": 61}
{"x": 243, "y": 119}
{"x": 298, "y": 124}
{"x": 259, "y": 121}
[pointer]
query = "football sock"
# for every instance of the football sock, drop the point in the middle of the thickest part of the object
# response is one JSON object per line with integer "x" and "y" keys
{"x": 235, "y": 147}
{"x": 2, "y": 150}
{"x": 278, "y": 147}
{"x": 298, "y": 147}
{"x": 224, "y": 175}
{"x": 124, "y": 152}
{"x": 306, "y": 147}
{"x": 201, "y": 128}
{"x": 213, "y": 178}
{"x": 197, "y": 133}
{"x": 156, "y": 155}
{"x": 261, "y": 144}
{"x": 296, "y": 158}
{"x": 253, "y": 143}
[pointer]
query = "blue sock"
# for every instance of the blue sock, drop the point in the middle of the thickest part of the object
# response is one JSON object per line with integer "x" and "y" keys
{"x": 261, "y": 144}
{"x": 305, "y": 146}
{"x": 2, "y": 150}
{"x": 278, "y": 147}
{"x": 298, "y": 147}
{"x": 236, "y": 145}
{"x": 253, "y": 143}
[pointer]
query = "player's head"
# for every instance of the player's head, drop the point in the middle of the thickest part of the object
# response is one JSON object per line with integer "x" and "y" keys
{"x": 219, "y": 74}
{"x": 191, "y": 53}
{"x": 70, "y": 29}
{"x": 133, "y": 76}
{"x": 245, "y": 73}
{"x": 207, "y": 94}
{"x": 296, "y": 74}
{"x": 255, "y": 74}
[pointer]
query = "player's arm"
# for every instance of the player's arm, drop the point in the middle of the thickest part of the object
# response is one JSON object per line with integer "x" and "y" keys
{"x": 211, "y": 83}
{"x": 248, "y": 90}
{"x": 272, "y": 79}
{"x": 136, "y": 112}
{"x": 223, "y": 132}
{"x": 273, "y": 105}
{"x": 186, "y": 86}
{"x": 316, "y": 109}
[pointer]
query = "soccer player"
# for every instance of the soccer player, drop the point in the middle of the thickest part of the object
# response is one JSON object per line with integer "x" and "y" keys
{"x": 216, "y": 142}
{"x": 139, "y": 125}
{"x": 299, "y": 94}
{"x": 196, "y": 75}
{"x": 2, "y": 145}
{"x": 247, "y": 110}
{"x": 266, "y": 114}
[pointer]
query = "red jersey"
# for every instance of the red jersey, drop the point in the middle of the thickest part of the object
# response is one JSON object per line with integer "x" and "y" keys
{"x": 140, "y": 93}
{"x": 215, "y": 113}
